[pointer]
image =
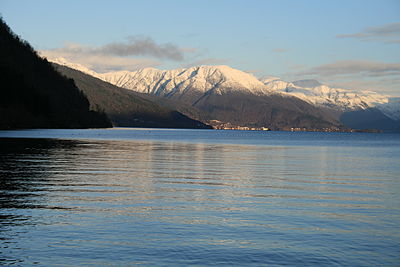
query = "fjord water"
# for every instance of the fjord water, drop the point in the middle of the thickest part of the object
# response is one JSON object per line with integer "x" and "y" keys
{"x": 123, "y": 197}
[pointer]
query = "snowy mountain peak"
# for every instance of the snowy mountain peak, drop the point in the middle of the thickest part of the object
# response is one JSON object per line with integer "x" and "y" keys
{"x": 220, "y": 78}
{"x": 227, "y": 76}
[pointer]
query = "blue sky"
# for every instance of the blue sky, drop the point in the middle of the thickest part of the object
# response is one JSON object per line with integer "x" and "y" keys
{"x": 353, "y": 44}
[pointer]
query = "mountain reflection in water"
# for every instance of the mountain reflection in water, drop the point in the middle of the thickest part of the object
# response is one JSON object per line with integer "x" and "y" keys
{"x": 127, "y": 202}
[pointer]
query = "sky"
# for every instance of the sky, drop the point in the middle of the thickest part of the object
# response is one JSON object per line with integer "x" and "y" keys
{"x": 350, "y": 44}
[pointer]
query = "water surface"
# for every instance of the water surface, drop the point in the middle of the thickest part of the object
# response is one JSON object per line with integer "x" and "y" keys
{"x": 123, "y": 197}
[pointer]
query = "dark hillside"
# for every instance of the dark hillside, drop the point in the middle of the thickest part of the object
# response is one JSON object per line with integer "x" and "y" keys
{"x": 371, "y": 118}
{"x": 273, "y": 111}
{"x": 35, "y": 95}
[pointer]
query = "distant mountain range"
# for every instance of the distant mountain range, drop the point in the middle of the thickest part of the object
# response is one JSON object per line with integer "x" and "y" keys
{"x": 323, "y": 95}
{"x": 221, "y": 94}
{"x": 231, "y": 96}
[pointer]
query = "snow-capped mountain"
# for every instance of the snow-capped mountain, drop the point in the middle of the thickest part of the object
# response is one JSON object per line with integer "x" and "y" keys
{"x": 323, "y": 95}
{"x": 203, "y": 79}
{"x": 319, "y": 94}
{"x": 198, "y": 81}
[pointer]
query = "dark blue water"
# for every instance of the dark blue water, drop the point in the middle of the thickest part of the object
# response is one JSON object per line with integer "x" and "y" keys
{"x": 125, "y": 197}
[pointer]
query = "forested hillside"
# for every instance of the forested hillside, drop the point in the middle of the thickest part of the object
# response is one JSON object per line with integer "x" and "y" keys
{"x": 35, "y": 95}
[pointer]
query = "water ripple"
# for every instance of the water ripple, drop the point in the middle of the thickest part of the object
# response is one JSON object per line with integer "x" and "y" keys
{"x": 135, "y": 202}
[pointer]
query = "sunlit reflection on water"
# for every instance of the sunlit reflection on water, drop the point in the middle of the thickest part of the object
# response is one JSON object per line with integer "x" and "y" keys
{"x": 127, "y": 202}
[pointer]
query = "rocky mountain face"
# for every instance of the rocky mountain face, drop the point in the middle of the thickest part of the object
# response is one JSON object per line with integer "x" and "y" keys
{"x": 229, "y": 95}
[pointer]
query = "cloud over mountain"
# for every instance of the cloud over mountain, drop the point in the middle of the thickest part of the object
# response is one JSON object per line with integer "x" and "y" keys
{"x": 136, "y": 53}
{"x": 99, "y": 62}
{"x": 142, "y": 46}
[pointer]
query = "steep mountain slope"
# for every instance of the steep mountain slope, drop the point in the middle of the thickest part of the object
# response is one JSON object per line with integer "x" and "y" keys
{"x": 34, "y": 95}
{"x": 224, "y": 94}
{"x": 125, "y": 107}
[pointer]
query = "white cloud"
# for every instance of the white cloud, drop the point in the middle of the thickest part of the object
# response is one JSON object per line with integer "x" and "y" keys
{"x": 99, "y": 62}
{"x": 352, "y": 67}
{"x": 135, "y": 46}
{"x": 142, "y": 46}
{"x": 135, "y": 53}
{"x": 388, "y": 33}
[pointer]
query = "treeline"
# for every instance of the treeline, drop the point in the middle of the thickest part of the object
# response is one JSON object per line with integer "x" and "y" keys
{"x": 34, "y": 95}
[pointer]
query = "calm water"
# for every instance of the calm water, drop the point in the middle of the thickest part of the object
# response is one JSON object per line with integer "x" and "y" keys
{"x": 124, "y": 197}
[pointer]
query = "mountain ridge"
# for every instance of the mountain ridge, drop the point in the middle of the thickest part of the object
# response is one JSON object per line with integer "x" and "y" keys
{"x": 154, "y": 81}
{"x": 225, "y": 94}
{"x": 193, "y": 85}
{"x": 320, "y": 94}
